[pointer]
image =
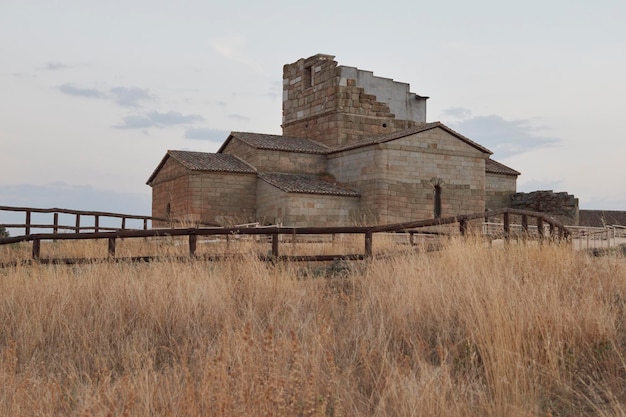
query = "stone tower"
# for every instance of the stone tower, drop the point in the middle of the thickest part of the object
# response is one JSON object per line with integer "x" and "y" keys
{"x": 339, "y": 105}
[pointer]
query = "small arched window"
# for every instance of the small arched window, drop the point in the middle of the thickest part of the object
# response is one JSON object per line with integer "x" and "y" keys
{"x": 437, "y": 201}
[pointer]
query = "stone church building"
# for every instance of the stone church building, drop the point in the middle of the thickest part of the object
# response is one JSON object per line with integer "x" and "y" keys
{"x": 355, "y": 150}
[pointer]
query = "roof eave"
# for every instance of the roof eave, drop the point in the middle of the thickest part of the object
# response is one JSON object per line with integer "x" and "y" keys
{"x": 157, "y": 169}
{"x": 228, "y": 139}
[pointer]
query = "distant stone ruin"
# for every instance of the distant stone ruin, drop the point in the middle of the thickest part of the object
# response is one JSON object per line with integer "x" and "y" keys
{"x": 562, "y": 206}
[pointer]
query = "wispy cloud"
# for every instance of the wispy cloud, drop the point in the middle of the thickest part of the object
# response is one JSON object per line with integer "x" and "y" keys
{"x": 122, "y": 96}
{"x": 82, "y": 92}
{"x": 504, "y": 137}
{"x": 202, "y": 133}
{"x": 239, "y": 117}
{"x": 54, "y": 66}
{"x": 130, "y": 97}
{"x": 457, "y": 113}
{"x": 158, "y": 119}
{"x": 233, "y": 48}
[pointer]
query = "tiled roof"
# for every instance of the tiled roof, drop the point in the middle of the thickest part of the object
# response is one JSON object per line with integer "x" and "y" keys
{"x": 403, "y": 133}
{"x": 277, "y": 143}
{"x": 495, "y": 167}
{"x": 600, "y": 218}
{"x": 203, "y": 161}
{"x": 307, "y": 184}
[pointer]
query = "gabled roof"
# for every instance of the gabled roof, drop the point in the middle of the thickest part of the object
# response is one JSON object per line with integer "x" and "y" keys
{"x": 404, "y": 133}
{"x": 495, "y": 167}
{"x": 277, "y": 143}
{"x": 306, "y": 184}
{"x": 203, "y": 161}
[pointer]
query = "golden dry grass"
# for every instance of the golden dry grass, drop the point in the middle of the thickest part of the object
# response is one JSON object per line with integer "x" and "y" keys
{"x": 522, "y": 330}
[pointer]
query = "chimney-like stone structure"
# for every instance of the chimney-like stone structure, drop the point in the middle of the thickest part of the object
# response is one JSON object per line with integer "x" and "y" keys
{"x": 338, "y": 105}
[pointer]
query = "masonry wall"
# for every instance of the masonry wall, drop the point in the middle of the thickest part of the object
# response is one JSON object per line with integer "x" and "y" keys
{"x": 170, "y": 186}
{"x": 265, "y": 160}
{"x": 562, "y": 206}
{"x": 203, "y": 197}
{"x": 397, "y": 179}
{"x": 224, "y": 198}
{"x": 271, "y": 204}
{"x": 498, "y": 190}
{"x": 358, "y": 168}
{"x": 320, "y": 104}
{"x": 300, "y": 210}
{"x": 402, "y": 103}
{"x": 418, "y": 163}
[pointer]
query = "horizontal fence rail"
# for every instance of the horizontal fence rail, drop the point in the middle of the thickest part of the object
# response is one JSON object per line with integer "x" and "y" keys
{"x": 544, "y": 228}
{"x": 81, "y": 217}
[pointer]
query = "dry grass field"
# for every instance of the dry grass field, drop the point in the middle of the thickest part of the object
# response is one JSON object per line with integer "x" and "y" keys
{"x": 471, "y": 330}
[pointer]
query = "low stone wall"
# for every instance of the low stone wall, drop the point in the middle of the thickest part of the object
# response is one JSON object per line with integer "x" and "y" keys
{"x": 562, "y": 206}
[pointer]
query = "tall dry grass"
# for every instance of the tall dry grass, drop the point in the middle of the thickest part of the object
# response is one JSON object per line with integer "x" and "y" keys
{"x": 470, "y": 330}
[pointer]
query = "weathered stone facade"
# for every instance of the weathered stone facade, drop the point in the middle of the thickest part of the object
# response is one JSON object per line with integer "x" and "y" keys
{"x": 562, "y": 206}
{"x": 328, "y": 103}
{"x": 397, "y": 178}
{"x": 276, "y": 206}
{"x": 355, "y": 150}
{"x": 193, "y": 194}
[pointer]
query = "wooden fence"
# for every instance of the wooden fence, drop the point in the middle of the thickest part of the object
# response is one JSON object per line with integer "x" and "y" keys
{"x": 546, "y": 227}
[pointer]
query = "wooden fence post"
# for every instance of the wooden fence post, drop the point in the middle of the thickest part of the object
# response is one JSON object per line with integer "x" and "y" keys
{"x": 27, "y": 222}
{"x": 55, "y": 229}
{"x": 77, "y": 228}
{"x": 540, "y": 227}
{"x": 552, "y": 234}
{"x": 111, "y": 247}
{"x": 145, "y": 224}
{"x": 96, "y": 223}
{"x": 525, "y": 224}
{"x": 36, "y": 248}
{"x": 193, "y": 240}
{"x": 463, "y": 226}
{"x": 123, "y": 223}
{"x": 507, "y": 225}
{"x": 275, "y": 245}
{"x": 368, "y": 244}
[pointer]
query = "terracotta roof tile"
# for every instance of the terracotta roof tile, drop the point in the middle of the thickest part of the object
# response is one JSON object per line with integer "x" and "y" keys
{"x": 495, "y": 167}
{"x": 203, "y": 161}
{"x": 307, "y": 184}
{"x": 278, "y": 143}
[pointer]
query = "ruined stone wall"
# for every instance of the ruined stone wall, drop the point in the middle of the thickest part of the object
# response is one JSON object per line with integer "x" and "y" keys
{"x": 498, "y": 190}
{"x": 562, "y": 206}
{"x": 299, "y": 210}
{"x": 320, "y": 104}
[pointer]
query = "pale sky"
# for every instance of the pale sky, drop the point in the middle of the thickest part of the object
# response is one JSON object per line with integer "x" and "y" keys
{"x": 93, "y": 93}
